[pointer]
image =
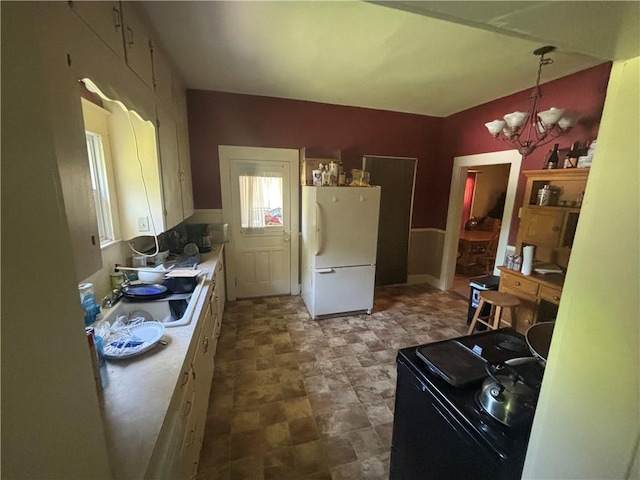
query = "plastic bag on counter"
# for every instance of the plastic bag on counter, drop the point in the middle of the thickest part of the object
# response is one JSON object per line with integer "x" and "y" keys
{"x": 120, "y": 337}
{"x": 102, "y": 329}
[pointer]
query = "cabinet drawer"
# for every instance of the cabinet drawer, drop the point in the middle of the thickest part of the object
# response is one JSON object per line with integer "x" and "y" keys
{"x": 519, "y": 284}
{"x": 550, "y": 294}
{"x": 526, "y": 311}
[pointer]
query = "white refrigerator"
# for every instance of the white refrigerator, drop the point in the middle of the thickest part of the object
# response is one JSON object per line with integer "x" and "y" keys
{"x": 339, "y": 243}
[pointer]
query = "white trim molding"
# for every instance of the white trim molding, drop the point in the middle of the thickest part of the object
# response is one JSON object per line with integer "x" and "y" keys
{"x": 456, "y": 194}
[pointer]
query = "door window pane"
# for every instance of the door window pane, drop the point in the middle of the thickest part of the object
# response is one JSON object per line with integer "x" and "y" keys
{"x": 261, "y": 201}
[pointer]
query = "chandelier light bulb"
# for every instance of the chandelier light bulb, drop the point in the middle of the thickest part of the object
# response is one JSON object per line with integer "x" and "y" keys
{"x": 567, "y": 121}
{"x": 516, "y": 119}
{"x": 551, "y": 116}
{"x": 495, "y": 127}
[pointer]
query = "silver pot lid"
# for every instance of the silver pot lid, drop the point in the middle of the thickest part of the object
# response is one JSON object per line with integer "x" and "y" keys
{"x": 510, "y": 393}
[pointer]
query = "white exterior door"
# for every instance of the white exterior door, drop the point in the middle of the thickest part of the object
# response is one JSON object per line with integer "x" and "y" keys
{"x": 260, "y": 204}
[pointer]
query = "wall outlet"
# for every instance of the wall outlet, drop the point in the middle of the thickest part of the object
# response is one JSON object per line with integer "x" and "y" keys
{"x": 143, "y": 224}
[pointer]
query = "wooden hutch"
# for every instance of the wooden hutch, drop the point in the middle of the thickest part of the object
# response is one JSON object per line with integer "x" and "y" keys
{"x": 551, "y": 229}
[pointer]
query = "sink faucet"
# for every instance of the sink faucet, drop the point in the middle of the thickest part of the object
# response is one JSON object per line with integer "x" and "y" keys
{"x": 112, "y": 298}
{"x": 115, "y": 295}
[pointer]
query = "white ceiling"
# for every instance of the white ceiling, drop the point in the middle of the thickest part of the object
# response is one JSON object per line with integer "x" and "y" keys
{"x": 399, "y": 59}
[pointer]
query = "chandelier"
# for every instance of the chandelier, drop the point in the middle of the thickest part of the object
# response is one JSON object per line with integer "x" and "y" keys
{"x": 528, "y": 130}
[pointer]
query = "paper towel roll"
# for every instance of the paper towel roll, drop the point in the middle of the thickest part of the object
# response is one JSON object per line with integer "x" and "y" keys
{"x": 527, "y": 259}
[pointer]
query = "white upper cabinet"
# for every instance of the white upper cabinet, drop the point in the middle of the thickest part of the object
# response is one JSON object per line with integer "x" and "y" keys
{"x": 169, "y": 157}
{"x": 183, "y": 147}
{"x": 105, "y": 19}
{"x": 137, "y": 173}
{"x": 137, "y": 43}
{"x": 110, "y": 43}
{"x": 185, "y": 168}
{"x": 163, "y": 80}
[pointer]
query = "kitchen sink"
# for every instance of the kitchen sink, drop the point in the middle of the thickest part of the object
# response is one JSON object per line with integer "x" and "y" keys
{"x": 172, "y": 311}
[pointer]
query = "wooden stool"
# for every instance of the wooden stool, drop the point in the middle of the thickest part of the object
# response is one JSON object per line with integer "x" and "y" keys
{"x": 498, "y": 301}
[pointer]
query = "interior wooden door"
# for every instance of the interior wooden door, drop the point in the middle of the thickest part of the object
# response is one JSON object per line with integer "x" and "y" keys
{"x": 396, "y": 176}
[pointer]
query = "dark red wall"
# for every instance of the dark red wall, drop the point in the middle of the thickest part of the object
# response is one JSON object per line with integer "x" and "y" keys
{"x": 217, "y": 118}
{"x": 583, "y": 93}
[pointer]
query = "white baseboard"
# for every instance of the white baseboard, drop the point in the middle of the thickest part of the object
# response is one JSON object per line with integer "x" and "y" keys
{"x": 424, "y": 278}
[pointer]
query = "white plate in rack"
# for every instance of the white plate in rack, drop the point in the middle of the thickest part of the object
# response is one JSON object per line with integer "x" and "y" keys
{"x": 149, "y": 333}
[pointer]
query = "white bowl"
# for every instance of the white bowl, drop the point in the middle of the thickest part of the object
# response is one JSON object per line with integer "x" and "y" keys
{"x": 152, "y": 276}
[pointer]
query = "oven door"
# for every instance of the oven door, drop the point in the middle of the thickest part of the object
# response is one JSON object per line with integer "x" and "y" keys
{"x": 429, "y": 442}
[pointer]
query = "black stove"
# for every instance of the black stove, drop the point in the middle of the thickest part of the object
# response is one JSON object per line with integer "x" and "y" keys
{"x": 440, "y": 431}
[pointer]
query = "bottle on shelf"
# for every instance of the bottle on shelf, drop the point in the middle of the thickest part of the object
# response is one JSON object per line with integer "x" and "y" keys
{"x": 552, "y": 161}
{"x": 326, "y": 177}
{"x": 571, "y": 159}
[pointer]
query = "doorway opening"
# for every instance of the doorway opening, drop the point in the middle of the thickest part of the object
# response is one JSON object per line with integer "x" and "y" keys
{"x": 461, "y": 167}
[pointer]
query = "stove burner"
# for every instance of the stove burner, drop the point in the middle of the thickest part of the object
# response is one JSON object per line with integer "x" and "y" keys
{"x": 514, "y": 345}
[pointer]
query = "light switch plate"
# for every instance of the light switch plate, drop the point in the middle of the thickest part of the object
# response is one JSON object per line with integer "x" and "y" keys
{"x": 143, "y": 224}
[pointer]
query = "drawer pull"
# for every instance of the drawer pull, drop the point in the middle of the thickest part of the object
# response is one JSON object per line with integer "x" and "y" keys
{"x": 556, "y": 298}
{"x": 517, "y": 283}
{"x": 116, "y": 18}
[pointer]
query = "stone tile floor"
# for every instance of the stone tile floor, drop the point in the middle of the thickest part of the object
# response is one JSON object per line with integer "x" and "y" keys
{"x": 295, "y": 398}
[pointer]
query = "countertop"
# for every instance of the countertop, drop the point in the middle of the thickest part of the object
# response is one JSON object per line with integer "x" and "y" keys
{"x": 139, "y": 391}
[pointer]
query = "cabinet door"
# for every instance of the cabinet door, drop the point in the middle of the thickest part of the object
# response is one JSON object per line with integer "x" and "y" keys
{"x": 183, "y": 147}
{"x": 186, "y": 185}
{"x": 188, "y": 445}
{"x": 203, "y": 360}
{"x": 526, "y": 311}
{"x": 168, "y": 146}
{"x": 542, "y": 226}
{"x": 221, "y": 284}
{"x": 163, "y": 79}
{"x": 105, "y": 19}
{"x": 137, "y": 42}
{"x": 67, "y": 127}
{"x": 138, "y": 174}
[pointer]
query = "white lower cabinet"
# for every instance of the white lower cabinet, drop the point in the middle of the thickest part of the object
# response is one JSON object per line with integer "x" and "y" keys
{"x": 178, "y": 449}
{"x": 166, "y": 462}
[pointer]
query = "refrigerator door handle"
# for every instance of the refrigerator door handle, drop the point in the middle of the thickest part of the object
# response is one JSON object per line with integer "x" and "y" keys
{"x": 325, "y": 270}
{"x": 318, "y": 232}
